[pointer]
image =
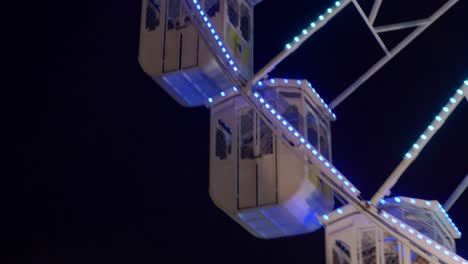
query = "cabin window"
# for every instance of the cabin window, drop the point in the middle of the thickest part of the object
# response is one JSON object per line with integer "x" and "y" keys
{"x": 266, "y": 138}
{"x": 173, "y": 12}
{"x": 341, "y": 253}
{"x": 233, "y": 9}
{"x": 223, "y": 140}
{"x": 291, "y": 114}
{"x": 152, "y": 15}
{"x": 212, "y": 7}
{"x": 247, "y": 151}
{"x": 312, "y": 129}
{"x": 245, "y": 22}
{"x": 324, "y": 147}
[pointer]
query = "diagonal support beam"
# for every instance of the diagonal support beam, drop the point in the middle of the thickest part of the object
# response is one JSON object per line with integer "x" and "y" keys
{"x": 375, "y": 11}
{"x": 456, "y": 194}
{"x": 402, "y": 25}
{"x": 354, "y": 86}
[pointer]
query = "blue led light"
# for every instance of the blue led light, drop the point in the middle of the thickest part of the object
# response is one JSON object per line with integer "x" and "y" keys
{"x": 262, "y": 100}
{"x": 402, "y": 225}
{"x": 333, "y": 170}
{"x": 314, "y": 152}
{"x": 210, "y": 100}
{"x": 267, "y": 106}
{"x": 273, "y": 111}
{"x": 299, "y": 82}
{"x": 212, "y": 30}
{"x": 195, "y": 1}
{"x": 353, "y": 189}
{"x": 308, "y": 146}
{"x": 452, "y": 100}
{"x": 385, "y": 215}
{"x": 428, "y": 203}
{"x": 423, "y": 136}
{"x": 302, "y": 140}
{"x": 256, "y": 95}
{"x": 228, "y": 56}
{"x": 208, "y": 24}
{"x": 340, "y": 176}
{"x": 339, "y": 211}
{"x": 325, "y": 217}
{"x": 272, "y": 80}
{"x": 438, "y": 118}
{"x": 223, "y": 94}
{"x": 346, "y": 183}
{"x": 285, "y": 80}
{"x": 296, "y": 134}
{"x": 278, "y": 117}
{"x": 290, "y": 128}
{"x": 205, "y": 18}
{"x": 411, "y": 231}
{"x": 382, "y": 201}
{"x": 220, "y": 43}
{"x": 321, "y": 158}
{"x": 284, "y": 123}
{"x": 419, "y": 236}
{"x": 198, "y": 7}
{"x": 235, "y": 69}
{"x": 394, "y": 220}
{"x": 313, "y": 24}
{"x": 327, "y": 164}
{"x": 412, "y": 201}
{"x": 397, "y": 199}
{"x": 288, "y": 46}
{"x": 321, "y": 17}
{"x": 234, "y": 88}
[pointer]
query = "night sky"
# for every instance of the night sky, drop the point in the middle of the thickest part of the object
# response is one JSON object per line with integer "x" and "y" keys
{"x": 105, "y": 167}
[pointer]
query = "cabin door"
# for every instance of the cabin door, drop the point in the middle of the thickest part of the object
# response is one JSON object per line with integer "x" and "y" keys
{"x": 257, "y": 168}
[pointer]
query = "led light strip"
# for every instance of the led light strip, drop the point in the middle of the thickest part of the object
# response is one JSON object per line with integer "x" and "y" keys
{"x": 314, "y": 25}
{"x": 427, "y": 204}
{"x": 297, "y": 83}
{"x": 436, "y": 123}
{"x": 351, "y": 190}
{"x": 339, "y": 179}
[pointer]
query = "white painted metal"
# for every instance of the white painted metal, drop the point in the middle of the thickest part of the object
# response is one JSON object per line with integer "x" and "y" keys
{"x": 402, "y": 25}
{"x": 377, "y": 66}
{"x": 375, "y": 11}
{"x": 436, "y": 124}
{"x": 371, "y": 28}
{"x": 457, "y": 193}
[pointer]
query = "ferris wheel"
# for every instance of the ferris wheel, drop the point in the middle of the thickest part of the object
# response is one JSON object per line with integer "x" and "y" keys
{"x": 271, "y": 164}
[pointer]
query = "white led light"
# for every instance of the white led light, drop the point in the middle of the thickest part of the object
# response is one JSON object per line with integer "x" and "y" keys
{"x": 290, "y": 128}
{"x": 339, "y": 211}
{"x": 466, "y": 82}
{"x": 272, "y": 80}
{"x": 273, "y": 111}
{"x": 304, "y": 32}
{"x": 452, "y": 100}
{"x": 428, "y": 203}
{"x": 411, "y": 231}
{"x": 408, "y": 155}
{"x": 308, "y": 146}
{"x": 438, "y": 118}
{"x": 437, "y": 247}
{"x": 321, "y": 158}
{"x": 220, "y": 43}
{"x": 256, "y": 95}
{"x": 302, "y": 140}
{"x": 423, "y": 136}
{"x": 267, "y": 106}
{"x": 429, "y": 241}
{"x": 394, "y": 220}
{"x": 403, "y": 226}
{"x": 333, "y": 170}
{"x": 397, "y": 199}
{"x": 430, "y": 127}
{"x": 412, "y": 201}
{"x": 382, "y": 201}
{"x": 195, "y": 1}
{"x": 228, "y": 56}
{"x": 296, "y": 134}
{"x": 416, "y": 146}
{"x": 235, "y": 69}
{"x": 340, "y": 176}
{"x": 285, "y": 80}
{"x": 231, "y": 62}
{"x": 223, "y": 94}
{"x": 325, "y": 217}
{"x": 313, "y": 24}
{"x": 314, "y": 152}
{"x": 278, "y": 117}
{"x": 288, "y": 46}
{"x": 446, "y": 252}
{"x": 234, "y": 88}
{"x": 337, "y": 3}
{"x": 262, "y": 100}
{"x": 329, "y": 10}
{"x": 284, "y": 123}
{"x": 260, "y": 83}
{"x": 353, "y": 189}
{"x": 224, "y": 50}
{"x": 346, "y": 183}
{"x": 296, "y": 39}
{"x": 459, "y": 91}
{"x": 216, "y": 37}
{"x": 321, "y": 17}
{"x": 385, "y": 215}
{"x": 210, "y": 100}
{"x": 419, "y": 236}
{"x": 327, "y": 164}
{"x": 445, "y": 109}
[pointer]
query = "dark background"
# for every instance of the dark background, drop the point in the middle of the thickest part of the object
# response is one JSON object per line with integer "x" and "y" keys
{"x": 104, "y": 167}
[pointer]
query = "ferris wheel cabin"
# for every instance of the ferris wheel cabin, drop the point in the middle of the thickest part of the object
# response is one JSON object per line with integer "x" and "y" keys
{"x": 174, "y": 54}
{"x": 255, "y": 177}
